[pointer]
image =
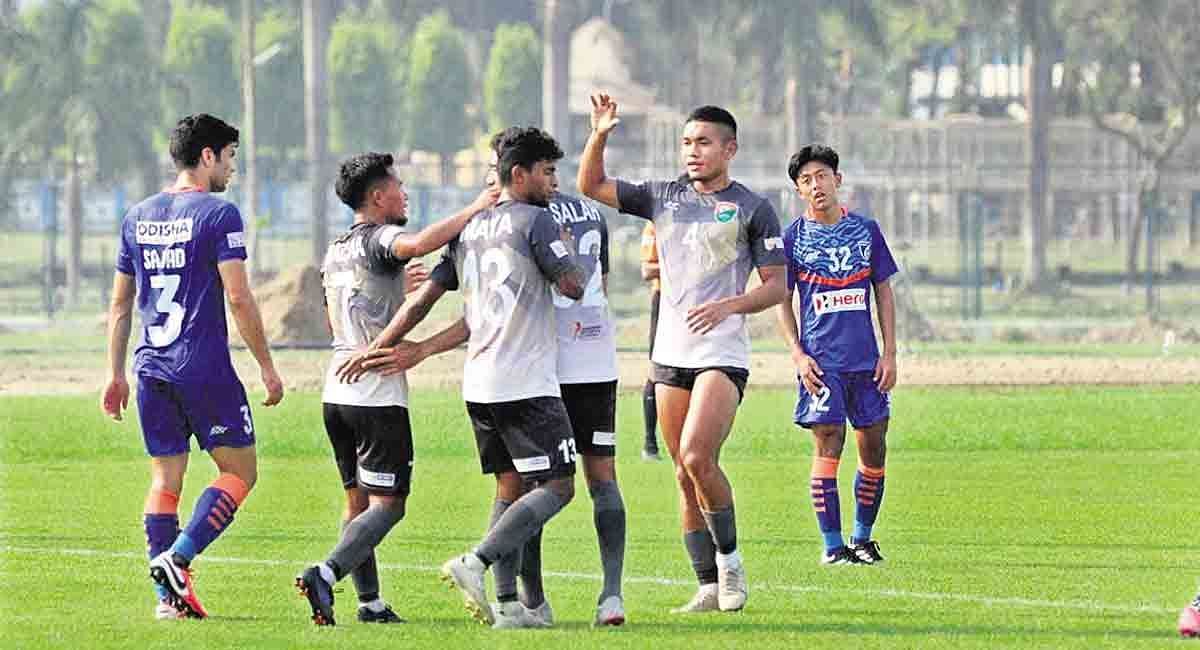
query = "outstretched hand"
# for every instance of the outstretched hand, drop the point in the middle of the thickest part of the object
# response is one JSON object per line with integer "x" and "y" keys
{"x": 604, "y": 113}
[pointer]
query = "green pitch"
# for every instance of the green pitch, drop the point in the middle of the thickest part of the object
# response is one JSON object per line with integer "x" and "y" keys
{"x": 1052, "y": 517}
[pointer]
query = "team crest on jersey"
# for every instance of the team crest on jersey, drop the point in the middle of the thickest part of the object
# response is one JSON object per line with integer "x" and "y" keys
{"x": 725, "y": 211}
{"x": 864, "y": 249}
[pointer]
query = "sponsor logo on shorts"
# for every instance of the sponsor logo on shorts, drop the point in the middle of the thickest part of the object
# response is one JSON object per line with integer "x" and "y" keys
{"x": 604, "y": 438}
{"x": 559, "y": 248}
{"x": 163, "y": 233}
{"x": 376, "y": 479}
{"x": 842, "y": 300}
{"x": 772, "y": 243}
{"x": 218, "y": 430}
{"x": 864, "y": 249}
{"x": 236, "y": 239}
{"x": 531, "y": 464}
{"x": 725, "y": 212}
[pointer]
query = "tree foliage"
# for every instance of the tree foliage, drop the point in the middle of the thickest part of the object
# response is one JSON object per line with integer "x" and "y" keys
{"x": 512, "y": 85}
{"x": 199, "y": 61}
{"x": 366, "y": 70}
{"x": 438, "y": 82}
{"x": 279, "y": 84}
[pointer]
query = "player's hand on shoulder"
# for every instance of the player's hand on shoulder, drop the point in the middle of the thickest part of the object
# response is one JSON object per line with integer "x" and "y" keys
{"x": 885, "y": 372}
{"x": 274, "y": 386}
{"x": 604, "y": 113}
{"x": 809, "y": 372}
{"x": 415, "y": 275}
{"x": 115, "y": 398}
{"x": 703, "y": 318}
{"x": 486, "y": 199}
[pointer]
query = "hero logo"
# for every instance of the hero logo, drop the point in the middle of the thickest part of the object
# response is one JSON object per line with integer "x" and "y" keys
{"x": 163, "y": 233}
{"x": 844, "y": 300}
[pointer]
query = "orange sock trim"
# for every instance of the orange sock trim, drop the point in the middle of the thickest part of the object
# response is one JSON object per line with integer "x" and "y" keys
{"x": 871, "y": 472}
{"x": 161, "y": 502}
{"x": 823, "y": 467}
{"x": 235, "y": 487}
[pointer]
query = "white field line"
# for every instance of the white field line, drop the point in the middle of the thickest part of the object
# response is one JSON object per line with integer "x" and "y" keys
{"x": 988, "y": 601}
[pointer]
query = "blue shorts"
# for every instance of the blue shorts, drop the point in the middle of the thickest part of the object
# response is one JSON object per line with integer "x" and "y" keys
{"x": 217, "y": 414}
{"x": 850, "y": 396}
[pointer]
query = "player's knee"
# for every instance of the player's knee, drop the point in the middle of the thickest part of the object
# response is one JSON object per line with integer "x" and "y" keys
{"x": 563, "y": 488}
{"x": 697, "y": 464}
{"x": 683, "y": 477}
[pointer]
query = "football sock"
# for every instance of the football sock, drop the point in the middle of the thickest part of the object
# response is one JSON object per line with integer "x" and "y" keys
{"x": 521, "y": 521}
{"x": 361, "y": 536}
{"x": 700, "y": 548}
{"x": 365, "y": 575}
{"x": 161, "y": 520}
{"x": 533, "y": 593}
{"x": 650, "y": 415}
{"x": 868, "y": 490}
{"x": 825, "y": 501}
{"x": 608, "y": 513}
{"x": 504, "y": 572}
{"x": 723, "y": 527}
{"x": 212, "y": 515}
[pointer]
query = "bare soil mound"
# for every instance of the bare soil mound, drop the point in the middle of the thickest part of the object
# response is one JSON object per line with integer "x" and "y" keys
{"x": 293, "y": 308}
{"x": 1145, "y": 330}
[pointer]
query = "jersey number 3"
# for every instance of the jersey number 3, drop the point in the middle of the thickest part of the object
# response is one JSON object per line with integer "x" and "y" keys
{"x": 165, "y": 334}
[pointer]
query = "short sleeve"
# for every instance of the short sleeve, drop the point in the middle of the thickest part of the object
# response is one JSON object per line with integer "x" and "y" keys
{"x": 125, "y": 252}
{"x": 764, "y": 238}
{"x": 230, "y": 234}
{"x": 379, "y": 247}
{"x": 445, "y": 274}
{"x": 549, "y": 252}
{"x": 883, "y": 265}
{"x": 636, "y": 198}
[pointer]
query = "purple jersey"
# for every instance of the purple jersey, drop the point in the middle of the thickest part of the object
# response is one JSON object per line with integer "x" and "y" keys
{"x": 833, "y": 268}
{"x": 172, "y": 243}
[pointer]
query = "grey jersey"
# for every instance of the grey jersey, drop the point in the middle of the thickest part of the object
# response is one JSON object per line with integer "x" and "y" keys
{"x": 707, "y": 245}
{"x": 505, "y": 262}
{"x": 587, "y": 350}
{"x": 364, "y": 287}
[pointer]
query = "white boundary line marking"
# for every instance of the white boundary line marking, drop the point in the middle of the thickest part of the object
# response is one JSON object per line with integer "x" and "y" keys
{"x": 989, "y": 601}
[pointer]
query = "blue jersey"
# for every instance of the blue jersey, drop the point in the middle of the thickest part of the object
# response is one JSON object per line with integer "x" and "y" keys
{"x": 172, "y": 243}
{"x": 833, "y": 268}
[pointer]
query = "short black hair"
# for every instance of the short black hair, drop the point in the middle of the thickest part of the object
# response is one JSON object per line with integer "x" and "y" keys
{"x": 195, "y": 133}
{"x": 714, "y": 114}
{"x": 359, "y": 174}
{"x": 813, "y": 152}
{"x": 524, "y": 146}
{"x": 498, "y": 137}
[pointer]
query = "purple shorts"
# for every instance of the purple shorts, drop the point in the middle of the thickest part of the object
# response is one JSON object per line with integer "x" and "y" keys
{"x": 217, "y": 414}
{"x": 850, "y": 396}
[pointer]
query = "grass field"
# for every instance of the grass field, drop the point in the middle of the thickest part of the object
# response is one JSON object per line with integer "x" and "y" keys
{"x": 1049, "y": 517}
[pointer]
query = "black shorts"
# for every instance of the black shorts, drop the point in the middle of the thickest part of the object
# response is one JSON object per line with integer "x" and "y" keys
{"x": 655, "y": 299}
{"x": 530, "y": 436}
{"x": 372, "y": 446}
{"x": 593, "y": 412}
{"x": 686, "y": 377}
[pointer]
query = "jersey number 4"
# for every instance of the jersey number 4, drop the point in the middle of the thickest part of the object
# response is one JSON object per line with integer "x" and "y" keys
{"x": 165, "y": 334}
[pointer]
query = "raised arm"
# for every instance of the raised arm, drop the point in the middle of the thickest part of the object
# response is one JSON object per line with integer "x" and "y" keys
{"x": 436, "y": 235}
{"x": 591, "y": 179}
{"x": 250, "y": 325}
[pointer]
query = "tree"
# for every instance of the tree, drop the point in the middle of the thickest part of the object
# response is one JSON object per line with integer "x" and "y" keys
{"x": 279, "y": 77}
{"x": 513, "y": 78}
{"x": 1037, "y": 25}
{"x": 200, "y": 63}
{"x": 366, "y": 68}
{"x": 1112, "y": 46}
{"x": 316, "y": 105}
{"x": 438, "y": 82}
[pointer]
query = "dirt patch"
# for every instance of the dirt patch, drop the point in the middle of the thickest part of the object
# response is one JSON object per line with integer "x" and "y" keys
{"x": 293, "y": 308}
{"x": 1146, "y": 331}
